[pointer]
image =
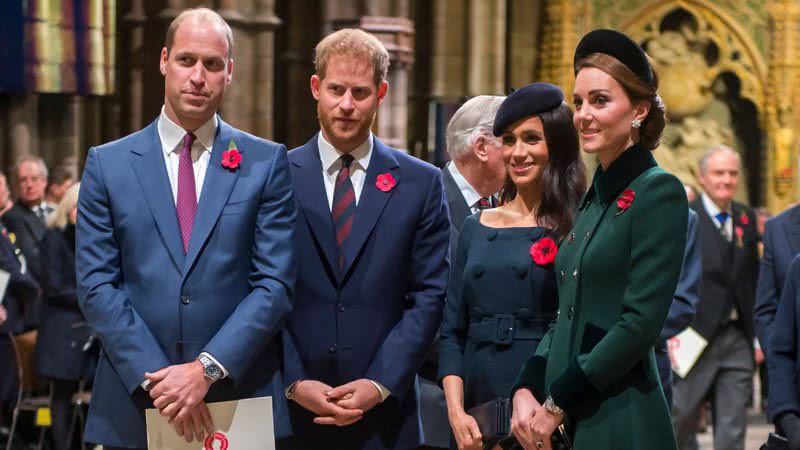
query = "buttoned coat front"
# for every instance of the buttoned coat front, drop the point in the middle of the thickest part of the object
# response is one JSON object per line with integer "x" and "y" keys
{"x": 616, "y": 272}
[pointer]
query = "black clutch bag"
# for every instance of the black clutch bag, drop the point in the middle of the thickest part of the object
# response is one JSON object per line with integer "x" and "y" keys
{"x": 494, "y": 421}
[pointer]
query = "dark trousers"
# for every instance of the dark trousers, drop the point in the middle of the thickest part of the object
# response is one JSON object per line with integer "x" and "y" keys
{"x": 61, "y": 412}
{"x": 725, "y": 370}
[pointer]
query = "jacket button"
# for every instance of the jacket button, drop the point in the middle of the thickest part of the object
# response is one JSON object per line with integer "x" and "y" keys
{"x": 332, "y": 348}
{"x": 588, "y": 234}
{"x": 185, "y": 299}
{"x": 342, "y": 308}
{"x": 562, "y": 276}
{"x": 575, "y": 274}
{"x": 570, "y": 312}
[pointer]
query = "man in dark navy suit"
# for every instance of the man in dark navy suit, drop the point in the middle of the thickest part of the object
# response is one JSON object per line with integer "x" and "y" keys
{"x": 373, "y": 232}
{"x": 781, "y": 244}
{"x": 474, "y": 174}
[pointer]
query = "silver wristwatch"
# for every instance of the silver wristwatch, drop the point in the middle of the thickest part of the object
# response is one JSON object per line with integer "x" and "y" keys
{"x": 210, "y": 369}
{"x": 551, "y": 407}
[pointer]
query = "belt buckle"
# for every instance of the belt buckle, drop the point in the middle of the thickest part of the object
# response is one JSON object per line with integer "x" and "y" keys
{"x": 504, "y": 333}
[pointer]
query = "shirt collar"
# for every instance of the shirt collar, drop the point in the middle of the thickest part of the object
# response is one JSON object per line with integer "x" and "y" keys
{"x": 629, "y": 165}
{"x": 469, "y": 193}
{"x": 172, "y": 134}
{"x": 711, "y": 208}
{"x": 329, "y": 155}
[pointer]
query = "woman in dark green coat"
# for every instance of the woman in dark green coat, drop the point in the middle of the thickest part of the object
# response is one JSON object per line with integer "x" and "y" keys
{"x": 616, "y": 271}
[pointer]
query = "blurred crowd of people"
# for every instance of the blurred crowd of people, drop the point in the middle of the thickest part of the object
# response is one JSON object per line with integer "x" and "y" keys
{"x": 43, "y": 330}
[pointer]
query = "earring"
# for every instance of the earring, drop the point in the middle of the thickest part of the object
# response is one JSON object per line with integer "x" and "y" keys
{"x": 636, "y": 123}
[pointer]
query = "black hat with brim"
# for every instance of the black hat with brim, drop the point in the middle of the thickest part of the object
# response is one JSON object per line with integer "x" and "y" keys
{"x": 526, "y": 101}
{"x": 618, "y": 45}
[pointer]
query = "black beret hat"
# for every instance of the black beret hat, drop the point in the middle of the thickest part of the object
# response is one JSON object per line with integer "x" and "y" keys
{"x": 618, "y": 45}
{"x": 526, "y": 101}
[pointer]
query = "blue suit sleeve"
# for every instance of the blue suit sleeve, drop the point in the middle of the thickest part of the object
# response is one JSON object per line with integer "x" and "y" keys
{"x": 402, "y": 352}
{"x": 455, "y": 323}
{"x": 261, "y": 315}
{"x": 783, "y": 351}
{"x": 687, "y": 294}
{"x": 130, "y": 345}
{"x": 767, "y": 290}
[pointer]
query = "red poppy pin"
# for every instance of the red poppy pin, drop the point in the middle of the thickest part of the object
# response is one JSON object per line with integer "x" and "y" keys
{"x": 231, "y": 157}
{"x": 544, "y": 251}
{"x": 743, "y": 219}
{"x": 385, "y": 182}
{"x": 625, "y": 200}
{"x": 216, "y": 437}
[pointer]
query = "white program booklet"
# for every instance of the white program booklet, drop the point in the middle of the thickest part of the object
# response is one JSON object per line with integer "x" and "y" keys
{"x": 240, "y": 425}
{"x": 684, "y": 350}
{"x": 5, "y": 277}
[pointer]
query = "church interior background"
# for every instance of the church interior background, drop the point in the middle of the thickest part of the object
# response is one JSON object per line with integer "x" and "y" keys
{"x": 82, "y": 72}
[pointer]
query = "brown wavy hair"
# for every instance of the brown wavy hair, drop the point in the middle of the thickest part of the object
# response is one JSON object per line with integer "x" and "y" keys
{"x": 637, "y": 91}
{"x": 564, "y": 177}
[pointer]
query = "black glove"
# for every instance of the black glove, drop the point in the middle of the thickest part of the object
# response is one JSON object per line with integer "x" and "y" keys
{"x": 790, "y": 426}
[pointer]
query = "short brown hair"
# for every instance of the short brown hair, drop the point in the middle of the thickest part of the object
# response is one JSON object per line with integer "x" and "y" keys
{"x": 353, "y": 43}
{"x": 637, "y": 90}
{"x": 201, "y": 13}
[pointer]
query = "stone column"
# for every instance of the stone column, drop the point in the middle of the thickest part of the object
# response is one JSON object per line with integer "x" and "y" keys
{"x": 486, "y": 39}
{"x": 133, "y": 64}
{"x": 783, "y": 93}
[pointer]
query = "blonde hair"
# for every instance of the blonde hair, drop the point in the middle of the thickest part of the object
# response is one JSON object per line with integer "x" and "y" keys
{"x": 354, "y": 43}
{"x": 60, "y": 217}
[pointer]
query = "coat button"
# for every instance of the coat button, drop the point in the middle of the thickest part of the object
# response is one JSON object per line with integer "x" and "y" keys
{"x": 332, "y": 348}
{"x": 571, "y": 238}
{"x": 342, "y": 308}
{"x": 588, "y": 233}
{"x": 185, "y": 299}
{"x": 562, "y": 276}
{"x": 570, "y": 312}
{"x": 575, "y": 274}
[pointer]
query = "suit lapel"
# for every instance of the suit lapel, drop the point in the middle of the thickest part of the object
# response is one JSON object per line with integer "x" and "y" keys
{"x": 217, "y": 187}
{"x": 459, "y": 209}
{"x": 311, "y": 196}
{"x": 151, "y": 171}
{"x": 792, "y": 227}
{"x": 372, "y": 201}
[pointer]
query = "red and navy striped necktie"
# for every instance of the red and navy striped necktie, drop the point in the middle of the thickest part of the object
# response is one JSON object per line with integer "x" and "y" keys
{"x": 344, "y": 206}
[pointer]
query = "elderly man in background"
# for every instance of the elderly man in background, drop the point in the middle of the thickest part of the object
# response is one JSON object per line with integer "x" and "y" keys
{"x": 475, "y": 173}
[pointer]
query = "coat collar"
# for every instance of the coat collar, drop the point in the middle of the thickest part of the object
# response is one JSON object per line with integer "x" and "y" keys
{"x": 630, "y": 164}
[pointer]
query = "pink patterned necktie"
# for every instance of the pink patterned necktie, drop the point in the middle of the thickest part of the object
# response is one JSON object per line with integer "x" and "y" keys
{"x": 187, "y": 194}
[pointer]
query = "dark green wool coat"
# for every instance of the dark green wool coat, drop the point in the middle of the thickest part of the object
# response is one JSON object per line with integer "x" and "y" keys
{"x": 616, "y": 272}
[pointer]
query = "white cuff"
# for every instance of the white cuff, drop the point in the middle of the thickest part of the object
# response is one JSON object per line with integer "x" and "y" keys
{"x": 224, "y": 371}
{"x": 385, "y": 393}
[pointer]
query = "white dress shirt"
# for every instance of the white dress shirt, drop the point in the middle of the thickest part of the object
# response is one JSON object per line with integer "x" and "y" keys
{"x": 331, "y": 164}
{"x": 469, "y": 193}
{"x": 171, "y": 135}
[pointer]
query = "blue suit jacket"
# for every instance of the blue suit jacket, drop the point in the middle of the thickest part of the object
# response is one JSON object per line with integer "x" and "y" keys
{"x": 783, "y": 357}
{"x": 154, "y": 306}
{"x": 687, "y": 294}
{"x": 781, "y": 244}
{"x": 377, "y": 317}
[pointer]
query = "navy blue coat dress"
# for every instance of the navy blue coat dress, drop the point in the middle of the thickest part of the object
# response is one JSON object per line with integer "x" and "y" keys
{"x": 499, "y": 305}
{"x": 63, "y": 330}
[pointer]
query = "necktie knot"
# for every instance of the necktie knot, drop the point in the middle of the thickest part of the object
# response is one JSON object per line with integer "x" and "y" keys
{"x": 346, "y": 161}
{"x": 483, "y": 203}
{"x": 722, "y": 218}
{"x": 188, "y": 141}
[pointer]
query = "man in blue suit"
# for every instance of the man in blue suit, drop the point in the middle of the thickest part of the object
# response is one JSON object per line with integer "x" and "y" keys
{"x": 185, "y": 264}
{"x": 373, "y": 230}
{"x": 781, "y": 243}
{"x": 783, "y": 359}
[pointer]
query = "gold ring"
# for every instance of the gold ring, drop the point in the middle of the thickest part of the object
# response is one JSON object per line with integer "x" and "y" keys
{"x": 539, "y": 444}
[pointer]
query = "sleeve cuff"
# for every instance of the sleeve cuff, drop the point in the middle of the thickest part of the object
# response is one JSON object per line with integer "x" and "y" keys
{"x": 572, "y": 388}
{"x": 385, "y": 393}
{"x": 224, "y": 370}
{"x": 145, "y": 385}
{"x": 532, "y": 377}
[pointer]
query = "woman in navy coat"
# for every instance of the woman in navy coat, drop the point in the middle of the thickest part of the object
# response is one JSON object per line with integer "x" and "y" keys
{"x": 63, "y": 332}
{"x": 502, "y": 294}
{"x": 783, "y": 359}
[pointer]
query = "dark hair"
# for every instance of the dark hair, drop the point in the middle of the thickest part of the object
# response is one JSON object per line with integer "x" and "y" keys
{"x": 564, "y": 177}
{"x": 637, "y": 91}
